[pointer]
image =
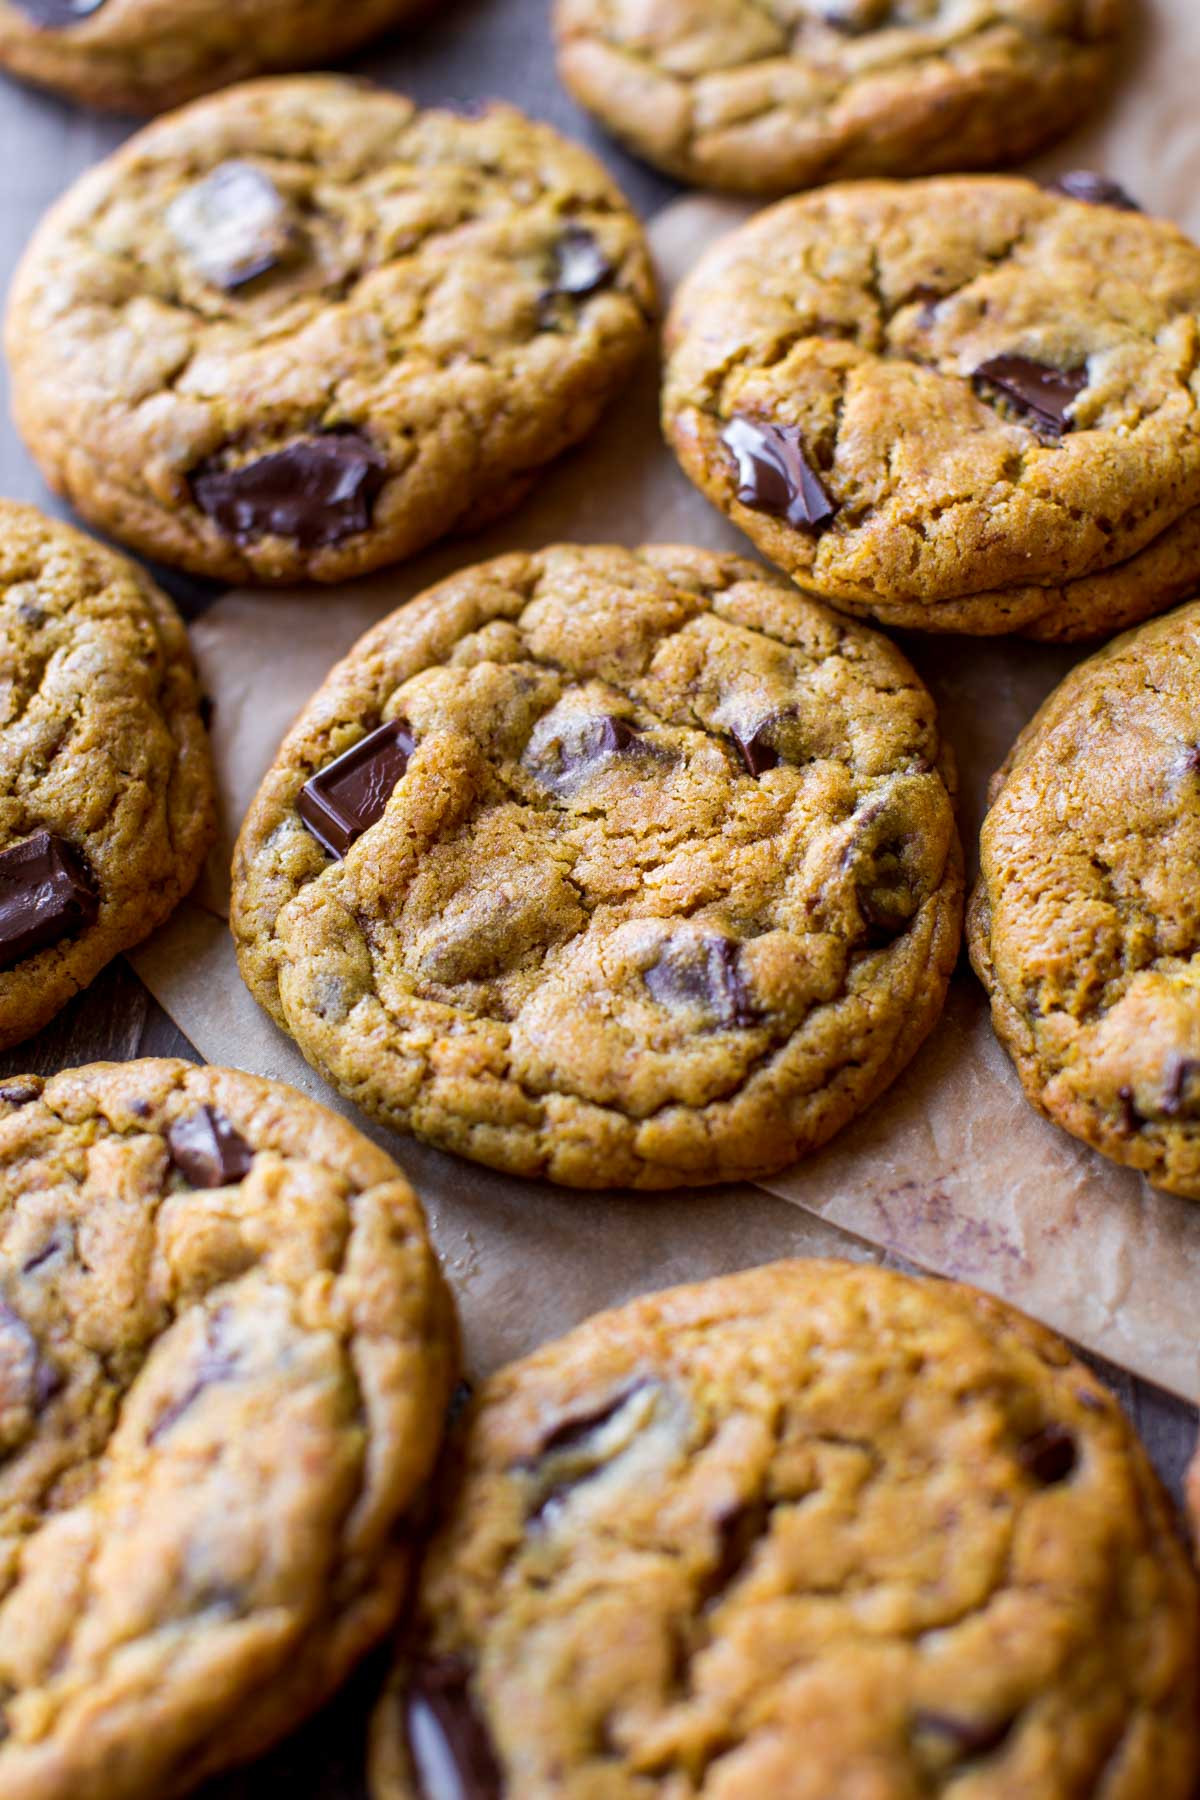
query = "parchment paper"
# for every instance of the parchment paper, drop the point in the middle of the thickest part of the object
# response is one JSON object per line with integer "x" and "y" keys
{"x": 952, "y": 1169}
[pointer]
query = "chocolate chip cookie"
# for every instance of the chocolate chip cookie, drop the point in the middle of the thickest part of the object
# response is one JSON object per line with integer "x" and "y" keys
{"x": 765, "y": 96}
{"x": 139, "y": 56}
{"x": 812, "y": 1531}
{"x": 106, "y": 786}
{"x": 615, "y": 867}
{"x": 1085, "y": 925}
{"x": 225, "y": 1357}
{"x": 961, "y": 405}
{"x": 301, "y": 329}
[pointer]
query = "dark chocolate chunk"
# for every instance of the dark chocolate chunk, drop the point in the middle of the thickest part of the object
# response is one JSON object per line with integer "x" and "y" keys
{"x": 1044, "y": 395}
{"x": 207, "y": 1151}
{"x": 573, "y": 1432}
{"x": 217, "y": 1363}
{"x": 58, "y": 15}
{"x": 348, "y": 796}
{"x": 854, "y": 18}
{"x": 1181, "y": 1094}
{"x": 1050, "y": 1456}
{"x": 28, "y": 1379}
{"x": 964, "y": 1737}
{"x": 318, "y": 491}
{"x": 1131, "y": 1118}
{"x": 580, "y": 265}
{"x": 1092, "y": 189}
{"x": 703, "y": 973}
{"x": 568, "y": 756}
{"x": 50, "y": 1248}
{"x": 448, "y": 1742}
{"x": 46, "y": 894}
{"x": 758, "y": 753}
{"x": 739, "y": 1532}
{"x": 234, "y": 225}
{"x": 20, "y": 1093}
{"x": 775, "y": 476}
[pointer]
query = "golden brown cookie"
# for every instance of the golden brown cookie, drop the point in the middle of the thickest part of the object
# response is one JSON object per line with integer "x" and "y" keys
{"x": 301, "y": 329}
{"x": 765, "y": 96}
{"x": 226, "y": 1352}
{"x": 961, "y": 405}
{"x": 139, "y": 56}
{"x": 620, "y": 868}
{"x": 1085, "y": 925}
{"x": 813, "y": 1532}
{"x": 106, "y": 785}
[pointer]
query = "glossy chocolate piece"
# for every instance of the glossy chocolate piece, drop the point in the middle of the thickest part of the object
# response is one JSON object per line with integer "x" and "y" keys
{"x": 775, "y": 476}
{"x": 207, "y": 1151}
{"x": 1050, "y": 1457}
{"x": 317, "y": 491}
{"x": 704, "y": 974}
{"x": 1092, "y": 190}
{"x": 46, "y": 894}
{"x": 581, "y": 267}
{"x": 58, "y": 15}
{"x": 348, "y": 796}
{"x": 234, "y": 226}
{"x": 448, "y": 1741}
{"x": 1044, "y": 395}
{"x": 757, "y": 752}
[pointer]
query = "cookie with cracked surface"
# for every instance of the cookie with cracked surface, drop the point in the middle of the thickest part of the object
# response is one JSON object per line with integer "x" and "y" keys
{"x": 1085, "y": 923}
{"x": 958, "y": 405}
{"x": 140, "y": 56}
{"x": 614, "y": 867}
{"x": 226, "y": 1351}
{"x": 106, "y": 788}
{"x": 766, "y": 96}
{"x": 813, "y": 1530}
{"x": 301, "y": 329}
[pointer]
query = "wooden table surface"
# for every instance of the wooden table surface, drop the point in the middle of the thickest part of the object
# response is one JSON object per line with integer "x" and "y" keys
{"x": 467, "y": 50}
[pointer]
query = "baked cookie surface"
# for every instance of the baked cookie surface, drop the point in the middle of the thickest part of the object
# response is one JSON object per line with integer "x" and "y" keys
{"x": 301, "y": 329}
{"x": 106, "y": 786}
{"x": 140, "y": 56}
{"x": 765, "y": 96}
{"x": 814, "y": 1530}
{"x": 1085, "y": 924}
{"x": 963, "y": 405}
{"x": 620, "y": 868}
{"x": 225, "y": 1355}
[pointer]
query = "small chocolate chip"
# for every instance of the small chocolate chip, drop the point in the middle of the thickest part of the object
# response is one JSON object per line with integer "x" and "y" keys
{"x": 966, "y": 1737}
{"x": 1178, "y": 1095}
{"x": 46, "y": 894}
{"x": 58, "y": 15}
{"x": 575, "y": 1431}
{"x": 758, "y": 753}
{"x": 1131, "y": 1118}
{"x": 460, "y": 1400}
{"x": 703, "y": 972}
{"x": 448, "y": 1742}
{"x": 207, "y": 1151}
{"x": 348, "y": 796}
{"x": 318, "y": 491}
{"x": 775, "y": 476}
{"x": 1050, "y": 1456}
{"x": 1092, "y": 190}
{"x": 580, "y": 265}
{"x": 234, "y": 226}
{"x": 206, "y": 706}
{"x": 1043, "y": 394}
{"x": 854, "y": 18}
{"x": 20, "y": 1093}
{"x": 48, "y": 1249}
{"x": 739, "y": 1532}
{"x": 141, "y": 1109}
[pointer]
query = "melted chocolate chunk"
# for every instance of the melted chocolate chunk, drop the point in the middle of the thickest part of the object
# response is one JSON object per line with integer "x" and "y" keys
{"x": 234, "y": 226}
{"x": 758, "y": 753}
{"x": 207, "y": 1151}
{"x": 1050, "y": 1456}
{"x": 573, "y": 1432}
{"x": 568, "y": 756}
{"x": 854, "y": 18}
{"x": 739, "y": 1533}
{"x": 775, "y": 476}
{"x": 20, "y": 1093}
{"x": 580, "y": 265}
{"x": 317, "y": 491}
{"x": 216, "y": 1364}
{"x": 348, "y": 796}
{"x": 1044, "y": 395}
{"x": 703, "y": 973}
{"x": 1092, "y": 189}
{"x": 28, "y": 1380}
{"x": 965, "y": 1737}
{"x": 1131, "y": 1118}
{"x": 46, "y": 894}
{"x": 448, "y": 1741}
{"x": 58, "y": 15}
{"x": 1181, "y": 1094}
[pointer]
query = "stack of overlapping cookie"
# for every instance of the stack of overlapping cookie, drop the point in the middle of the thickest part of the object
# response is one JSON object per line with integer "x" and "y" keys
{"x": 597, "y": 864}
